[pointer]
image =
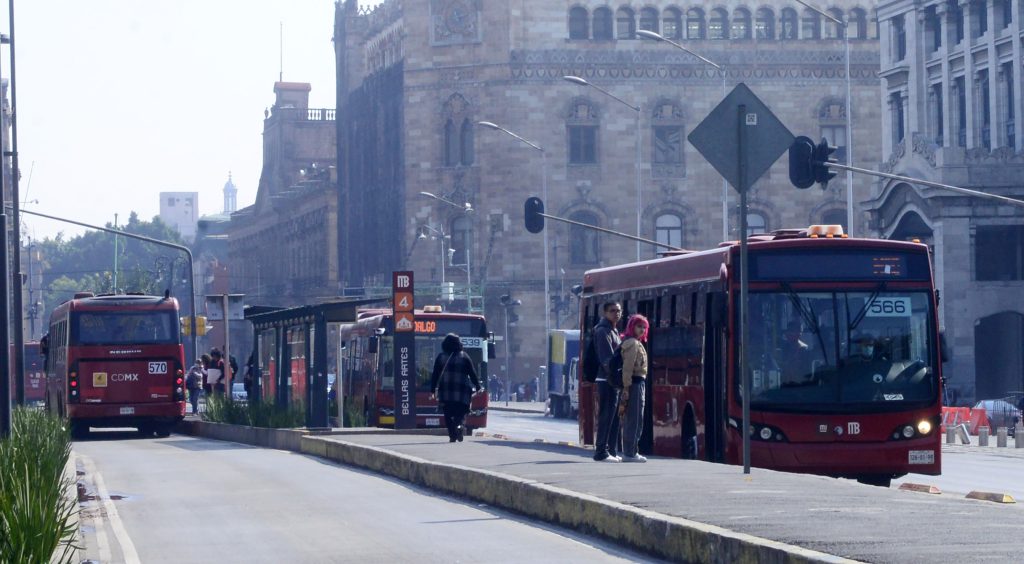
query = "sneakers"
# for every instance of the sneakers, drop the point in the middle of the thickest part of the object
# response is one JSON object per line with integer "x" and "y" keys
{"x": 605, "y": 457}
{"x": 637, "y": 458}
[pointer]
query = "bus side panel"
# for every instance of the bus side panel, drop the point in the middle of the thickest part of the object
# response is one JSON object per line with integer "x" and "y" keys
{"x": 588, "y": 413}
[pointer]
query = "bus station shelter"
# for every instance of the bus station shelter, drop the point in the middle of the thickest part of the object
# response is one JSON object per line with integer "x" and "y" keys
{"x": 295, "y": 356}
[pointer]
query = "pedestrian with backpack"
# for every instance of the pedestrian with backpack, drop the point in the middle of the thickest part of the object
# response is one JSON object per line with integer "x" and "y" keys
{"x": 453, "y": 383}
{"x": 605, "y": 341}
{"x": 634, "y": 380}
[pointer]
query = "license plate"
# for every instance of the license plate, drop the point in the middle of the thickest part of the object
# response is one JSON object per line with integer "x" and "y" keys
{"x": 433, "y": 422}
{"x": 127, "y": 411}
{"x": 922, "y": 457}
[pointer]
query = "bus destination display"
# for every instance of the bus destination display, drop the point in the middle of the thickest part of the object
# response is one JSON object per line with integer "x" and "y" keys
{"x": 857, "y": 265}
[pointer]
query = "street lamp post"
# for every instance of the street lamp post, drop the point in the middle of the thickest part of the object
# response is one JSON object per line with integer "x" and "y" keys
{"x": 468, "y": 209}
{"x": 849, "y": 110}
{"x": 636, "y": 109}
{"x": 442, "y": 236}
{"x": 544, "y": 195}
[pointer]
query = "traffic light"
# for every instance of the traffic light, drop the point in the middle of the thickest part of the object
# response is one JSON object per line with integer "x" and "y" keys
{"x": 186, "y": 326}
{"x": 823, "y": 154}
{"x": 801, "y": 162}
{"x": 532, "y": 210}
{"x": 201, "y": 327}
{"x": 807, "y": 162}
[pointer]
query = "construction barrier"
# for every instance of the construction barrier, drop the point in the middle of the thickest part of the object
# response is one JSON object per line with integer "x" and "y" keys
{"x": 973, "y": 418}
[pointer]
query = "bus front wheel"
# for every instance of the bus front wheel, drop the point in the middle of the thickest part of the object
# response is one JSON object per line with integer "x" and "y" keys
{"x": 880, "y": 481}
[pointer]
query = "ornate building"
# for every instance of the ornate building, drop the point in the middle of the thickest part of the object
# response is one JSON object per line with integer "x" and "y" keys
{"x": 415, "y": 77}
{"x": 283, "y": 248}
{"x": 951, "y": 84}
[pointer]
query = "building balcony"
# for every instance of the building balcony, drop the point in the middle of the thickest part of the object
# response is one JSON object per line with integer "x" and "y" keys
{"x": 303, "y": 114}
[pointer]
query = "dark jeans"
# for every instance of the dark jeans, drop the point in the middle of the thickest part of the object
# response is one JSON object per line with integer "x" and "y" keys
{"x": 634, "y": 425}
{"x": 193, "y": 398}
{"x": 454, "y": 417}
{"x": 607, "y": 440}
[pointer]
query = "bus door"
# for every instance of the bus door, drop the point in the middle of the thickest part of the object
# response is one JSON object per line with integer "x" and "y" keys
{"x": 714, "y": 380}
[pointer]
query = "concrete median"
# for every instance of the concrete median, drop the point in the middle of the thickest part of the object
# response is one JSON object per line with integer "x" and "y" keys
{"x": 661, "y": 535}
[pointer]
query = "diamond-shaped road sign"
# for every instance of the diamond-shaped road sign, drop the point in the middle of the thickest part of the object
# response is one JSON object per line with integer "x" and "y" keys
{"x": 717, "y": 137}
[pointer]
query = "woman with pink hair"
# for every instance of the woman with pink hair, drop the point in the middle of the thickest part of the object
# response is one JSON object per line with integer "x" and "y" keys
{"x": 634, "y": 379}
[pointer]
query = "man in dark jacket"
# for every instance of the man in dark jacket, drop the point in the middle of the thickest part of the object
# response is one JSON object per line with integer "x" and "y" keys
{"x": 606, "y": 340}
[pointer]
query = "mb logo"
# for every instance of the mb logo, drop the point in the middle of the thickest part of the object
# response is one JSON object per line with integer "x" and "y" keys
{"x": 402, "y": 281}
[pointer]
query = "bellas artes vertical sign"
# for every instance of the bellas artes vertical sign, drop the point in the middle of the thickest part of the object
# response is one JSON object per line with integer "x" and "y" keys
{"x": 405, "y": 350}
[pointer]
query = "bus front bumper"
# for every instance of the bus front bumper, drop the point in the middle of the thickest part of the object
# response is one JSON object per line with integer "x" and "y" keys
{"x": 848, "y": 459}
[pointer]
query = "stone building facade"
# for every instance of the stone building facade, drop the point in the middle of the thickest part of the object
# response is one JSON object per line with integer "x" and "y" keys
{"x": 415, "y": 77}
{"x": 283, "y": 248}
{"x": 951, "y": 92}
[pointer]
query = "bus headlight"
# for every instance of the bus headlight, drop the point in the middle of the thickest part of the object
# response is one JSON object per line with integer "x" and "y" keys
{"x": 924, "y": 427}
{"x": 908, "y": 431}
{"x": 766, "y": 433}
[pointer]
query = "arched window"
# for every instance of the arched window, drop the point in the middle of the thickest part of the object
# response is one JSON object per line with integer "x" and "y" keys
{"x": 764, "y": 25}
{"x": 579, "y": 23}
{"x": 835, "y": 217}
{"x": 668, "y": 229}
{"x": 718, "y": 24}
{"x": 672, "y": 23}
{"x": 740, "y": 24}
{"x": 832, "y": 29}
{"x": 603, "y": 24}
{"x": 581, "y": 128}
{"x": 462, "y": 233}
{"x": 649, "y": 19}
{"x": 466, "y": 152}
{"x": 859, "y": 24}
{"x": 789, "y": 23}
{"x": 625, "y": 24}
{"x": 451, "y": 144}
{"x": 695, "y": 23}
{"x": 810, "y": 25}
{"x": 584, "y": 245}
{"x": 756, "y": 223}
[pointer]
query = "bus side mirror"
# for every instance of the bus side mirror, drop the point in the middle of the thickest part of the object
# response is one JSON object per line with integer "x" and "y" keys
{"x": 944, "y": 354}
{"x": 491, "y": 352}
{"x": 718, "y": 314}
{"x": 373, "y": 345}
{"x": 44, "y": 346}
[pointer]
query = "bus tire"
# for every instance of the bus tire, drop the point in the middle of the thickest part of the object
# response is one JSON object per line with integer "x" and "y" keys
{"x": 880, "y": 481}
{"x": 79, "y": 430}
{"x": 146, "y": 429}
{"x": 163, "y": 430}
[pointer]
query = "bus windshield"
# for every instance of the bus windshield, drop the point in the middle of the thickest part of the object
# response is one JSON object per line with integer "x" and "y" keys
{"x": 427, "y": 349}
{"x": 855, "y": 350}
{"x": 124, "y": 328}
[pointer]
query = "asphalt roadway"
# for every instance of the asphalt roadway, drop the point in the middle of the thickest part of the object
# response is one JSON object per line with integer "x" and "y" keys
{"x": 837, "y": 517}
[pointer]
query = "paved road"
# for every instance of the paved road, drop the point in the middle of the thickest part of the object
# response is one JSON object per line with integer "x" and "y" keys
{"x": 182, "y": 499}
{"x": 530, "y": 426}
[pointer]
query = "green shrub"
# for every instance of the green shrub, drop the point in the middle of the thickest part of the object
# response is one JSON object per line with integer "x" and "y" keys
{"x": 36, "y": 517}
{"x": 220, "y": 409}
{"x": 354, "y": 414}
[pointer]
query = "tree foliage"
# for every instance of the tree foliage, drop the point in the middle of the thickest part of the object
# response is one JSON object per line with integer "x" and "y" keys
{"x": 86, "y": 262}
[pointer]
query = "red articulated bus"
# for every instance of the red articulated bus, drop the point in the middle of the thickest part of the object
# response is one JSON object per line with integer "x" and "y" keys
{"x": 368, "y": 363}
{"x": 116, "y": 361}
{"x": 843, "y": 354}
{"x": 35, "y": 379}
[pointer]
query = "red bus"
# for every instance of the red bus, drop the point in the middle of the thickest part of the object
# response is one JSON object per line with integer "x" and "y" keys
{"x": 367, "y": 363}
{"x": 116, "y": 361}
{"x": 843, "y": 354}
{"x": 35, "y": 379}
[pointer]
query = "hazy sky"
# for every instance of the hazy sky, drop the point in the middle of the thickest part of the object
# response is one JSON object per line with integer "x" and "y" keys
{"x": 119, "y": 100}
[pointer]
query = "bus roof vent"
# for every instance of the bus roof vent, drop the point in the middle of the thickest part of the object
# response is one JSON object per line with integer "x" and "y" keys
{"x": 826, "y": 232}
{"x": 80, "y": 295}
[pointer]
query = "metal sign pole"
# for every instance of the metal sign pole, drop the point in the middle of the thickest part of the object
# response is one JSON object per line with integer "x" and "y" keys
{"x": 5, "y": 318}
{"x": 227, "y": 349}
{"x": 744, "y": 280}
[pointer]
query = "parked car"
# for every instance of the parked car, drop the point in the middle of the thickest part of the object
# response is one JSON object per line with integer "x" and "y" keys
{"x": 1000, "y": 413}
{"x": 238, "y": 392}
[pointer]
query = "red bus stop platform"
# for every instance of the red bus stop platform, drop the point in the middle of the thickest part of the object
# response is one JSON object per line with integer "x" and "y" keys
{"x": 693, "y": 511}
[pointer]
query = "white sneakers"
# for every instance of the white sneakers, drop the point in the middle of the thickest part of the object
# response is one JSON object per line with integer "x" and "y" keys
{"x": 637, "y": 458}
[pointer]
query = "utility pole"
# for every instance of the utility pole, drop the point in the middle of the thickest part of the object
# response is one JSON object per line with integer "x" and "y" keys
{"x": 17, "y": 307}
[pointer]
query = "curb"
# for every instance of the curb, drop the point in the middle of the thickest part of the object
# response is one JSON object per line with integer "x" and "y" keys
{"x": 653, "y": 533}
{"x": 920, "y": 488}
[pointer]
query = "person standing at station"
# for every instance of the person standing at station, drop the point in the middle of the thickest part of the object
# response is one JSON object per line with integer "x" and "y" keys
{"x": 634, "y": 381}
{"x": 207, "y": 385}
{"x": 215, "y": 372}
{"x": 194, "y": 383}
{"x": 606, "y": 340}
{"x": 453, "y": 383}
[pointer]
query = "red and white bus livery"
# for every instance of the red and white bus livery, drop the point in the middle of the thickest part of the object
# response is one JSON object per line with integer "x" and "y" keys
{"x": 116, "y": 361}
{"x": 368, "y": 363}
{"x": 843, "y": 355}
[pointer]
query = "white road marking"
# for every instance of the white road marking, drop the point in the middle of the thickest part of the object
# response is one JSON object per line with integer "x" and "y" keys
{"x": 110, "y": 511}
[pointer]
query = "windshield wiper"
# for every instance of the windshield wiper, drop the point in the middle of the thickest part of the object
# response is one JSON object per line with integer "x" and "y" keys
{"x": 864, "y": 310}
{"x": 809, "y": 316}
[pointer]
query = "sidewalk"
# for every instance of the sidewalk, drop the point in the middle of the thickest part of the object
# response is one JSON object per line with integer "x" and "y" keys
{"x": 691, "y": 510}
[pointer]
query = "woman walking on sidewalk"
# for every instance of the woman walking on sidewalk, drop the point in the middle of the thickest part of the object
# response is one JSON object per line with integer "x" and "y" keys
{"x": 453, "y": 383}
{"x": 634, "y": 380}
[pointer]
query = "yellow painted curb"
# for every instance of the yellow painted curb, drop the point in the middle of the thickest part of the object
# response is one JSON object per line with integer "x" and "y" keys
{"x": 920, "y": 488}
{"x": 990, "y": 496}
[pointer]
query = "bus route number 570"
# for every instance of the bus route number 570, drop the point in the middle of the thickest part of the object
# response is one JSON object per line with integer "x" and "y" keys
{"x": 158, "y": 368}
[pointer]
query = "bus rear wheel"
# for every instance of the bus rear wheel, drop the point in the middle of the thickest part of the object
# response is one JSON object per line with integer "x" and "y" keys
{"x": 79, "y": 430}
{"x": 163, "y": 430}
